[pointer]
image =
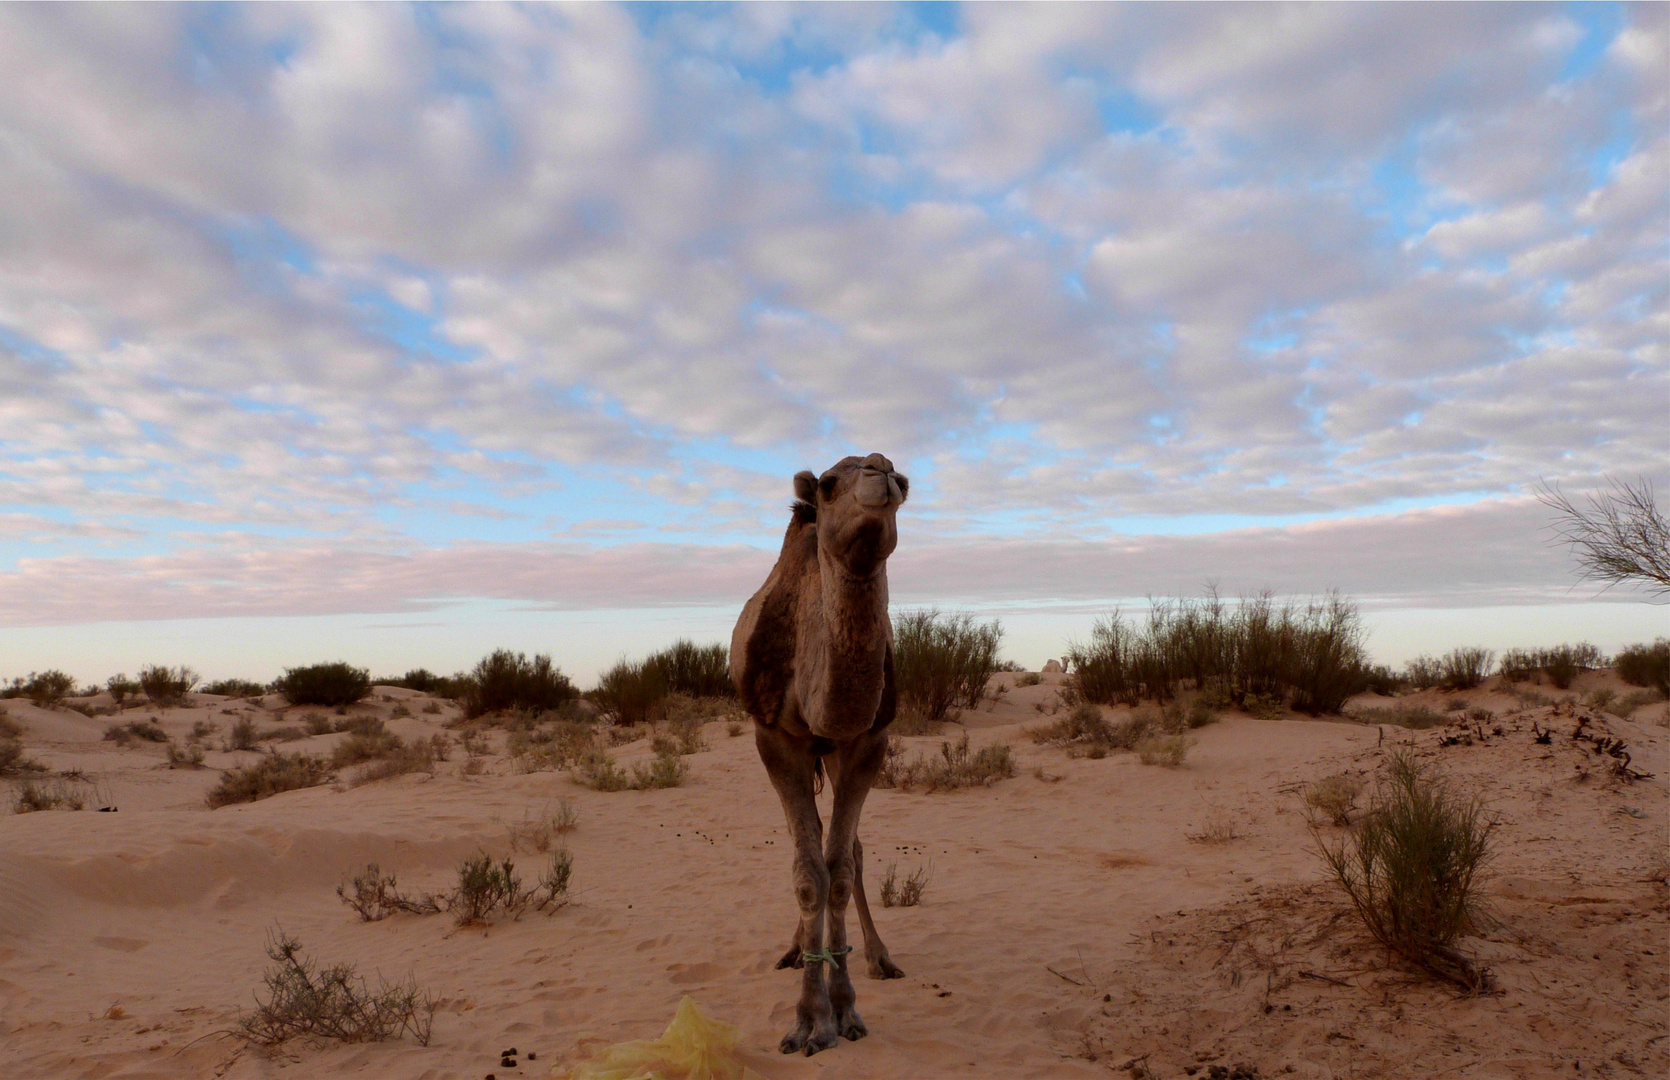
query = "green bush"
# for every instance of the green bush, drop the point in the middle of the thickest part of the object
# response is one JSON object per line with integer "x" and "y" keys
{"x": 425, "y": 681}
{"x": 1562, "y": 663}
{"x": 1646, "y": 665}
{"x": 273, "y": 774}
{"x": 1311, "y": 656}
{"x": 1410, "y": 866}
{"x": 1465, "y": 668}
{"x": 234, "y": 688}
{"x": 166, "y": 686}
{"x": 696, "y": 670}
{"x": 337, "y": 683}
{"x": 505, "y": 680}
{"x": 942, "y": 662}
{"x": 121, "y": 688}
{"x": 630, "y": 690}
{"x": 47, "y": 688}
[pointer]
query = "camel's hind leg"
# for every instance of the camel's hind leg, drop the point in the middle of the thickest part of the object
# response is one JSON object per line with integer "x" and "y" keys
{"x": 877, "y": 963}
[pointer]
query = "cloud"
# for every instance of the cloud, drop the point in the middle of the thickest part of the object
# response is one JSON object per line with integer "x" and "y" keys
{"x": 401, "y": 280}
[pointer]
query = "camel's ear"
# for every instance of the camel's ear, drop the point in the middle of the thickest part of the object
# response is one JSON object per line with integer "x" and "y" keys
{"x": 805, "y": 486}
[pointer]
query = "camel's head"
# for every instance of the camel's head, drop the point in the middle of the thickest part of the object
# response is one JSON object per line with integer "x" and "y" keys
{"x": 855, "y": 502}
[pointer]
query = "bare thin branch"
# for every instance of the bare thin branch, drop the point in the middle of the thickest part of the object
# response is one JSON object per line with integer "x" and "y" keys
{"x": 1618, "y": 537}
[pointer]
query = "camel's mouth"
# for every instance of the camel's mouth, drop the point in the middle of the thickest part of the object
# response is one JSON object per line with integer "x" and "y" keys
{"x": 876, "y": 489}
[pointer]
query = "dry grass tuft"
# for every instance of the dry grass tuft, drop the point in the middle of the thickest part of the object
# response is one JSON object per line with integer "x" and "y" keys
{"x": 189, "y": 756}
{"x": 333, "y": 1003}
{"x": 556, "y": 746}
{"x": 1165, "y": 750}
{"x": 61, "y": 793}
{"x": 123, "y": 734}
{"x": 1220, "y": 827}
{"x": 1028, "y": 678}
{"x": 907, "y": 893}
{"x": 420, "y": 756}
{"x": 539, "y": 832}
{"x": 955, "y": 766}
{"x": 1333, "y": 797}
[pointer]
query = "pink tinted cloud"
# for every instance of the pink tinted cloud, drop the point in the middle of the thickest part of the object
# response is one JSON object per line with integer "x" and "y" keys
{"x": 1490, "y": 553}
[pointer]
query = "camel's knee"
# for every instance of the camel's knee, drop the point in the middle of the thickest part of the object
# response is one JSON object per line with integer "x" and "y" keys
{"x": 841, "y": 873}
{"x": 811, "y": 888}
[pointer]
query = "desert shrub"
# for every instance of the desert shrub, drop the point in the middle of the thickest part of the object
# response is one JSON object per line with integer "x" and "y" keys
{"x": 189, "y": 756}
{"x": 12, "y": 759}
{"x": 1410, "y": 865}
{"x": 376, "y": 895}
{"x": 1625, "y": 706}
{"x": 283, "y": 733}
{"x": 1383, "y": 680}
{"x": 425, "y": 681}
{"x": 1028, "y": 678}
{"x": 942, "y": 662}
{"x": 166, "y": 686}
{"x": 556, "y": 746}
{"x": 1264, "y": 706}
{"x": 599, "y": 771}
{"x": 696, "y": 671}
{"x": 906, "y": 893}
{"x": 243, "y": 735}
{"x": 1646, "y": 665}
{"x": 1561, "y": 663}
{"x": 274, "y": 773}
{"x": 1220, "y": 827}
{"x": 1311, "y": 655}
{"x": 47, "y": 688}
{"x": 234, "y": 688}
{"x": 1199, "y": 714}
{"x": 1166, "y": 750}
{"x": 316, "y": 723}
{"x": 333, "y": 1003}
{"x": 1083, "y": 726}
{"x": 419, "y": 756}
{"x": 9, "y": 728}
{"x": 337, "y": 683}
{"x": 539, "y": 832}
{"x": 1415, "y": 717}
{"x": 664, "y": 771}
{"x": 60, "y": 793}
{"x": 1519, "y": 665}
{"x": 1333, "y": 797}
{"x": 1466, "y": 667}
{"x": 629, "y": 690}
{"x": 366, "y": 746}
{"x": 734, "y": 728}
{"x": 955, "y": 766}
{"x": 146, "y": 730}
{"x": 400, "y": 711}
{"x": 505, "y": 680}
{"x": 1423, "y": 672}
{"x": 120, "y": 688}
{"x": 681, "y": 736}
{"x": 486, "y": 887}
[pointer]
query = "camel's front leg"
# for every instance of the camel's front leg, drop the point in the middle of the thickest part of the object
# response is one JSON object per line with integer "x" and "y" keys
{"x": 858, "y": 763}
{"x": 790, "y": 764}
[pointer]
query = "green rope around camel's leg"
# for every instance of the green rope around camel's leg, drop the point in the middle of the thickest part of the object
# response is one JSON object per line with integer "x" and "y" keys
{"x": 823, "y": 956}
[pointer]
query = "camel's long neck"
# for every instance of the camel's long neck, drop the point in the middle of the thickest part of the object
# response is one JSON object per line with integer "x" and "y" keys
{"x": 854, "y": 648}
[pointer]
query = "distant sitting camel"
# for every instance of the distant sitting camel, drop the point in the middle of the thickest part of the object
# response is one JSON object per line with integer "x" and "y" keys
{"x": 812, "y": 658}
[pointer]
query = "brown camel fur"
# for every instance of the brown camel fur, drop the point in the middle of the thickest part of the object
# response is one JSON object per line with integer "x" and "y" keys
{"x": 812, "y": 659}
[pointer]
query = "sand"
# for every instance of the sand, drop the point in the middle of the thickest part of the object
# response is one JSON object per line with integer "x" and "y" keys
{"x": 1086, "y": 916}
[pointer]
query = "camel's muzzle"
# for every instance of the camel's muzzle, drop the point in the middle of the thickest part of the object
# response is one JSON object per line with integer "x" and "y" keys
{"x": 877, "y": 489}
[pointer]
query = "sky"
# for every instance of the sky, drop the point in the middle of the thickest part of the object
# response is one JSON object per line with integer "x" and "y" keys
{"x": 397, "y": 334}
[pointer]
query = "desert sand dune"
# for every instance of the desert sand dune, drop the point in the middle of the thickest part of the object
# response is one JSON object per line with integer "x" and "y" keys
{"x": 1084, "y": 917}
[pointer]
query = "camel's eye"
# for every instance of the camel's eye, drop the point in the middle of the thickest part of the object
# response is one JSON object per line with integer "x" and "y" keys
{"x": 827, "y": 484}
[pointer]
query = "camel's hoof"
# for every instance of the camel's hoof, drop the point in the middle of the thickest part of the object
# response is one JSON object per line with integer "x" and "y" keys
{"x": 791, "y": 959}
{"x": 806, "y": 1041}
{"x": 852, "y": 1026}
{"x": 884, "y": 968}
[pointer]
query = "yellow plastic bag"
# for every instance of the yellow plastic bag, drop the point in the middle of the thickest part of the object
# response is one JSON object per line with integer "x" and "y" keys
{"x": 694, "y": 1047}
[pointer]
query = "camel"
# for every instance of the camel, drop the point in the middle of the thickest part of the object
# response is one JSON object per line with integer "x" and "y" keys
{"x": 812, "y": 660}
